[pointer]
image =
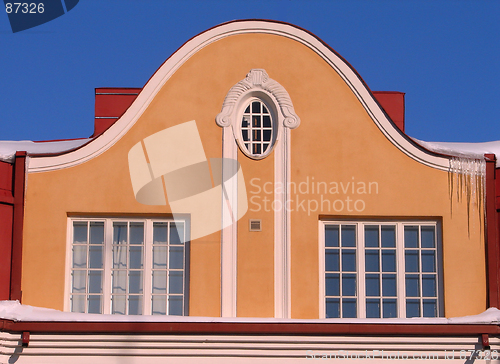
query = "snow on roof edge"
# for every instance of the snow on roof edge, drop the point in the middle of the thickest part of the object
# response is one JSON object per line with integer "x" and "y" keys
{"x": 13, "y": 310}
{"x": 466, "y": 150}
{"x": 8, "y": 148}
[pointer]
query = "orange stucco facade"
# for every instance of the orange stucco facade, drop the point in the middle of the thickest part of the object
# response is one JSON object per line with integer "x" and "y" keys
{"x": 337, "y": 143}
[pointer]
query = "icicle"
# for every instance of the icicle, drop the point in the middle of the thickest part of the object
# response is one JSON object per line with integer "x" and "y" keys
{"x": 468, "y": 177}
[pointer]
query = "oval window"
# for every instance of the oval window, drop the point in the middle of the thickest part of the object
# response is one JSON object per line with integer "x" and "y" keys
{"x": 257, "y": 129}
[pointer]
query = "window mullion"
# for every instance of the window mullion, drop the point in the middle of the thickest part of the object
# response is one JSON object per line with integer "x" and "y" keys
{"x": 400, "y": 270}
{"x": 108, "y": 261}
{"x": 361, "y": 271}
{"x": 147, "y": 274}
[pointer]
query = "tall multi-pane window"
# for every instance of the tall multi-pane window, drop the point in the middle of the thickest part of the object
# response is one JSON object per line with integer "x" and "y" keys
{"x": 380, "y": 269}
{"x": 421, "y": 271}
{"x": 340, "y": 270}
{"x": 257, "y": 129}
{"x": 128, "y": 267}
{"x": 87, "y": 266}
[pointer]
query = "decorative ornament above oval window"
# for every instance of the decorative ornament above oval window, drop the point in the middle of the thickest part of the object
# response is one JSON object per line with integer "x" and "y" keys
{"x": 257, "y": 109}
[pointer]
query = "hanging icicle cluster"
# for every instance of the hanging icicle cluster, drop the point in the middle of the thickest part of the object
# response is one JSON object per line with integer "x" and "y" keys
{"x": 467, "y": 178}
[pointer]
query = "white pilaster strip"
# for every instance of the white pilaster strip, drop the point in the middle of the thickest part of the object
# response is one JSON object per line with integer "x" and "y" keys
{"x": 229, "y": 233}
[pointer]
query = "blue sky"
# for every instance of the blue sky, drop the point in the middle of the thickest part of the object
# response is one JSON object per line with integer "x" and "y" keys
{"x": 444, "y": 54}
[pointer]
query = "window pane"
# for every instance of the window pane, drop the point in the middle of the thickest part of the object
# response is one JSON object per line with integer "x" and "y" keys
{"x": 119, "y": 282}
{"x": 78, "y": 303}
{"x": 95, "y": 256}
{"x": 79, "y": 232}
{"x": 136, "y": 233}
{"x": 176, "y": 257}
{"x": 371, "y": 236}
{"x": 175, "y": 282}
{"x": 118, "y": 305}
{"x": 159, "y": 257}
{"x": 430, "y": 308}
{"x": 245, "y": 136}
{"x": 135, "y": 305}
{"x": 428, "y": 234}
{"x": 332, "y": 260}
{"x": 266, "y": 135}
{"x": 429, "y": 285}
{"x": 349, "y": 235}
{"x": 256, "y": 107}
{"x": 373, "y": 308}
{"x": 349, "y": 285}
{"x": 160, "y": 230}
{"x": 256, "y": 149}
{"x": 136, "y": 257}
{"x": 372, "y": 261}
{"x": 176, "y": 233}
{"x": 332, "y": 284}
{"x": 332, "y": 308}
{"x": 79, "y": 256}
{"x": 79, "y": 281}
{"x": 257, "y": 136}
{"x": 372, "y": 284}
{"x": 267, "y": 121}
{"x": 349, "y": 307}
{"x": 175, "y": 305}
{"x": 389, "y": 285}
{"x": 411, "y": 261}
{"x": 135, "y": 282}
{"x": 388, "y": 236}
{"x": 412, "y": 285}
{"x": 264, "y": 109}
{"x": 388, "y": 260}
{"x": 97, "y": 232}
{"x": 94, "y": 304}
{"x": 255, "y": 123}
{"x": 428, "y": 261}
{"x": 95, "y": 281}
{"x": 332, "y": 236}
{"x": 412, "y": 308}
{"x": 159, "y": 281}
{"x": 159, "y": 305}
{"x": 411, "y": 237}
{"x": 119, "y": 257}
{"x": 349, "y": 260}
{"x": 120, "y": 233}
{"x": 389, "y": 308}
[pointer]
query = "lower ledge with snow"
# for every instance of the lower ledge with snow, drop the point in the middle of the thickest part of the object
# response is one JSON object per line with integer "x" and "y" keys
{"x": 37, "y": 335}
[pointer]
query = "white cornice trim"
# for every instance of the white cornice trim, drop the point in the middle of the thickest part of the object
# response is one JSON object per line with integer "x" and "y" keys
{"x": 163, "y": 74}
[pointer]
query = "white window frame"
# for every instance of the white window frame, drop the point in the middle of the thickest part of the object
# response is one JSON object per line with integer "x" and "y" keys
{"x": 108, "y": 263}
{"x": 250, "y": 128}
{"x": 400, "y": 263}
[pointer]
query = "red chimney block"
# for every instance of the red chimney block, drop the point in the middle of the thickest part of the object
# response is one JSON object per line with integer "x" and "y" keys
{"x": 393, "y": 103}
{"x": 110, "y": 104}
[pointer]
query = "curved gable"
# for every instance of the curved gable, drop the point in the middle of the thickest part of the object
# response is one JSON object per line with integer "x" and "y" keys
{"x": 194, "y": 45}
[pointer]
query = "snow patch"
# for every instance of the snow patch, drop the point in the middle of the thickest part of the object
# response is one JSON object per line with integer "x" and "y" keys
{"x": 9, "y": 148}
{"x": 14, "y": 311}
{"x": 464, "y": 150}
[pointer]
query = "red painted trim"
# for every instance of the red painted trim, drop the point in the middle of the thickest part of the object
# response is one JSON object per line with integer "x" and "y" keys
{"x": 25, "y": 339}
{"x": 491, "y": 239}
{"x": 17, "y": 234}
{"x": 238, "y": 328}
{"x": 485, "y": 341}
{"x": 56, "y": 140}
{"x": 6, "y": 218}
{"x": 497, "y": 180}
